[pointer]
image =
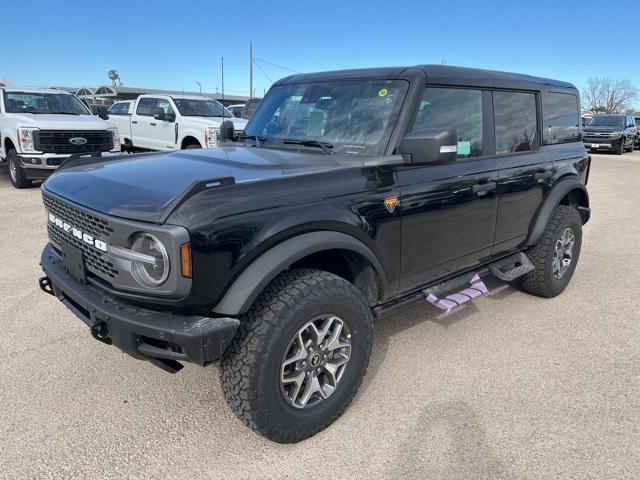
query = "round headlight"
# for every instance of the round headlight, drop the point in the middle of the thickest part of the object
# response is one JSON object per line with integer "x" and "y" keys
{"x": 150, "y": 273}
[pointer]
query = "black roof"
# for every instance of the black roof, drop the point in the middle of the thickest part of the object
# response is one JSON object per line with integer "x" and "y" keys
{"x": 437, "y": 75}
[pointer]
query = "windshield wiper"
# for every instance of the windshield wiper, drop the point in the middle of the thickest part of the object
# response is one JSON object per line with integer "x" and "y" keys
{"x": 256, "y": 138}
{"x": 326, "y": 147}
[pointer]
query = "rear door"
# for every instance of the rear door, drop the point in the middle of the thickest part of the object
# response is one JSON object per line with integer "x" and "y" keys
{"x": 526, "y": 170}
{"x": 449, "y": 211}
{"x": 141, "y": 129}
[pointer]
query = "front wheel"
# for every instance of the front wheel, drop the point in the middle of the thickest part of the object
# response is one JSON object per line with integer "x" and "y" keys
{"x": 620, "y": 149}
{"x": 299, "y": 356}
{"x": 16, "y": 173}
{"x": 555, "y": 256}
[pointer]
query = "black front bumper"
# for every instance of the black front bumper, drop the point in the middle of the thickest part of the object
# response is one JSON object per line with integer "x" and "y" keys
{"x": 163, "y": 338}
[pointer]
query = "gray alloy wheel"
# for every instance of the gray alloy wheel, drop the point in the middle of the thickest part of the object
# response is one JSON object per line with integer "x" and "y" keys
{"x": 13, "y": 170}
{"x": 563, "y": 253}
{"x": 314, "y": 361}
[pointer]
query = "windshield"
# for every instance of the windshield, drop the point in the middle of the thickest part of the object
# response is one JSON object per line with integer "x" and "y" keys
{"x": 353, "y": 117}
{"x": 190, "y": 107}
{"x": 41, "y": 103}
{"x": 607, "y": 121}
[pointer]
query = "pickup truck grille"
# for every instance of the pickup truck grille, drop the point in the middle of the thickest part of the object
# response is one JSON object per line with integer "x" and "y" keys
{"x": 58, "y": 141}
{"x": 95, "y": 260}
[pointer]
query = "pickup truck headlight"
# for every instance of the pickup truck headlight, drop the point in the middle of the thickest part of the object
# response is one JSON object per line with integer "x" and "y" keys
{"x": 152, "y": 270}
{"x": 115, "y": 134}
{"x": 211, "y": 137}
{"x": 25, "y": 137}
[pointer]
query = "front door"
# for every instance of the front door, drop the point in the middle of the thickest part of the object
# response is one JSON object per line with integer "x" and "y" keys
{"x": 449, "y": 211}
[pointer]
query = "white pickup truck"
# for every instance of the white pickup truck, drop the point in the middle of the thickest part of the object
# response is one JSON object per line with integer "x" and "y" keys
{"x": 41, "y": 127}
{"x": 169, "y": 122}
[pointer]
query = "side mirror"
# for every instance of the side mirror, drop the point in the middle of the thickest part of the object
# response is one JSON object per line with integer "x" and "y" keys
{"x": 430, "y": 145}
{"x": 103, "y": 113}
{"x": 159, "y": 114}
{"x": 226, "y": 131}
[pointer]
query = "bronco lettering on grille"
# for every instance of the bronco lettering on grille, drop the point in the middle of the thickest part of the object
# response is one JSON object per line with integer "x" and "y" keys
{"x": 77, "y": 233}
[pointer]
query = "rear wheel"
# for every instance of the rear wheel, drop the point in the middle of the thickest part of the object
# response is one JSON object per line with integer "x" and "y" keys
{"x": 299, "y": 356}
{"x": 555, "y": 256}
{"x": 16, "y": 173}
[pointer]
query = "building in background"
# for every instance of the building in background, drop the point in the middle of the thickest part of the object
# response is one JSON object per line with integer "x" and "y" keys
{"x": 107, "y": 94}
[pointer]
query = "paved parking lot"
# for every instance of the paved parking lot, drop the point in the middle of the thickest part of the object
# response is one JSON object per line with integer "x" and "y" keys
{"x": 511, "y": 386}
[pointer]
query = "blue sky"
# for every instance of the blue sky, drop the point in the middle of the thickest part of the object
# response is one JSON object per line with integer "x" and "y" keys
{"x": 172, "y": 45}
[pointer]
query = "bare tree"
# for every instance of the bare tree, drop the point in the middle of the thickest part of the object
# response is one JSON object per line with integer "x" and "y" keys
{"x": 603, "y": 95}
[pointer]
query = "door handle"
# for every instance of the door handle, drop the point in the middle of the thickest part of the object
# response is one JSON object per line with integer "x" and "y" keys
{"x": 134, "y": 121}
{"x": 152, "y": 124}
{"x": 483, "y": 188}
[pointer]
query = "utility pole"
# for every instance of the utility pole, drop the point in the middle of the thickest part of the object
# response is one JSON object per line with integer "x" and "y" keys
{"x": 250, "y": 68}
{"x": 199, "y": 86}
{"x": 222, "y": 63}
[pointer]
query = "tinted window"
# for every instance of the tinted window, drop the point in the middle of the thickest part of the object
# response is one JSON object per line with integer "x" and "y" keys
{"x": 560, "y": 117}
{"x": 145, "y": 106}
{"x": 454, "y": 108}
{"x": 638, "y": 122}
{"x": 121, "y": 108}
{"x": 515, "y": 117}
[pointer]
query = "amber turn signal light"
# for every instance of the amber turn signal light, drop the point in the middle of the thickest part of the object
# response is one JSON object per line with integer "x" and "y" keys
{"x": 185, "y": 260}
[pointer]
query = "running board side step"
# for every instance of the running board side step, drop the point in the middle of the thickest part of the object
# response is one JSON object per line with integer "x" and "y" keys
{"x": 466, "y": 286}
{"x": 512, "y": 267}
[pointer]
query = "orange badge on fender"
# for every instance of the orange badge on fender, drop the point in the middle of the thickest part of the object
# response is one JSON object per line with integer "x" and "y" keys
{"x": 391, "y": 203}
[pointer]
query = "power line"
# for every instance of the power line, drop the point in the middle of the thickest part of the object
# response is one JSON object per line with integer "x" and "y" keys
{"x": 275, "y": 65}
{"x": 260, "y": 68}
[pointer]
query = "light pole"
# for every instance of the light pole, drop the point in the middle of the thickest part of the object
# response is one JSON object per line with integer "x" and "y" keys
{"x": 199, "y": 86}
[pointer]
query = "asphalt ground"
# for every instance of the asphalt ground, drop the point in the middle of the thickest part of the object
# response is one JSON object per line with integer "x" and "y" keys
{"x": 510, "y": 386}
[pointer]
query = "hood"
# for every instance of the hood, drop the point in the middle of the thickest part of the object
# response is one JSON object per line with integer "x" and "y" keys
{"x": 59, "y": 122}
{"x": 143, "y": 187}
{"x": 238, "y": 123}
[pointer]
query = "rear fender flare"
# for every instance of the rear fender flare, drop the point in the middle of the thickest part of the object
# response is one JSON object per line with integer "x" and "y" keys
{"x": 553, "y": 199}
{"x": 253, "y": 280}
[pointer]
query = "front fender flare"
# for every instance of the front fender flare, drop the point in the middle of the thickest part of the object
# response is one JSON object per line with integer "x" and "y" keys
{"x": 246, "y": 288}
{"x": 560, "y": 190}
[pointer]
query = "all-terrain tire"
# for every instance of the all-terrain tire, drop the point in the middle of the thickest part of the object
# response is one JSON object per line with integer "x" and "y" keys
{"x": 542, "y": 281}
{"x": 16, "y": 173}
{"x": 621, "y": 149}
{"x": 251, "y": 367}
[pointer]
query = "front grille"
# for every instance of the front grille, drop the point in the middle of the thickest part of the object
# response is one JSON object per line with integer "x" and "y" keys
{"x": 93, "y": 259}
{"x": 90, "y": 224}
{"x": 57, "y": 141}
{"x": 597, "y": 134}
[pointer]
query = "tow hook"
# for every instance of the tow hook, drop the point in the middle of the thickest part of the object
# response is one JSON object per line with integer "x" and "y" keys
{"x": 100, "y": 332}
{"x": 45, "y": 285}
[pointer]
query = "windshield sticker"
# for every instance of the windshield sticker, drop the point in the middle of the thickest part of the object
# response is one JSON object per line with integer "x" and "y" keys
{"x": 464, "y": 148}
{"x": 383, "y": 92}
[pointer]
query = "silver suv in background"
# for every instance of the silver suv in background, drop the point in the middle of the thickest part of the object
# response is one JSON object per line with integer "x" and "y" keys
{"x": 613, "y": 132}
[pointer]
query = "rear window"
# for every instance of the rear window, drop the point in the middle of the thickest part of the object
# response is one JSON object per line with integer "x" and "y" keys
{"x": 561, "y": 118}
{"x": 121, "y": 108}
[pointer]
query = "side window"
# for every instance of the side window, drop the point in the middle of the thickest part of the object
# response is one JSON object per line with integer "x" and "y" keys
{"x": 145, "y": 107}
{"x": 458, "y": 108}
{"x": 164, "y": 105}
{"x": 515, "y": 119}
{"x": 121, "y": 108}
{"x": 560, "y": 117}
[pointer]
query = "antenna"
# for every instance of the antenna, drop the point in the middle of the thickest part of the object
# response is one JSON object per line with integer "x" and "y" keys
{"x": 250, "y": 68}
{"x": 222, "y": 63}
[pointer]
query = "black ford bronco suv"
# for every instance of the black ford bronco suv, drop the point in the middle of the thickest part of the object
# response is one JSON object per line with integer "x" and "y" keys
{"x": 351, "y": 193}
